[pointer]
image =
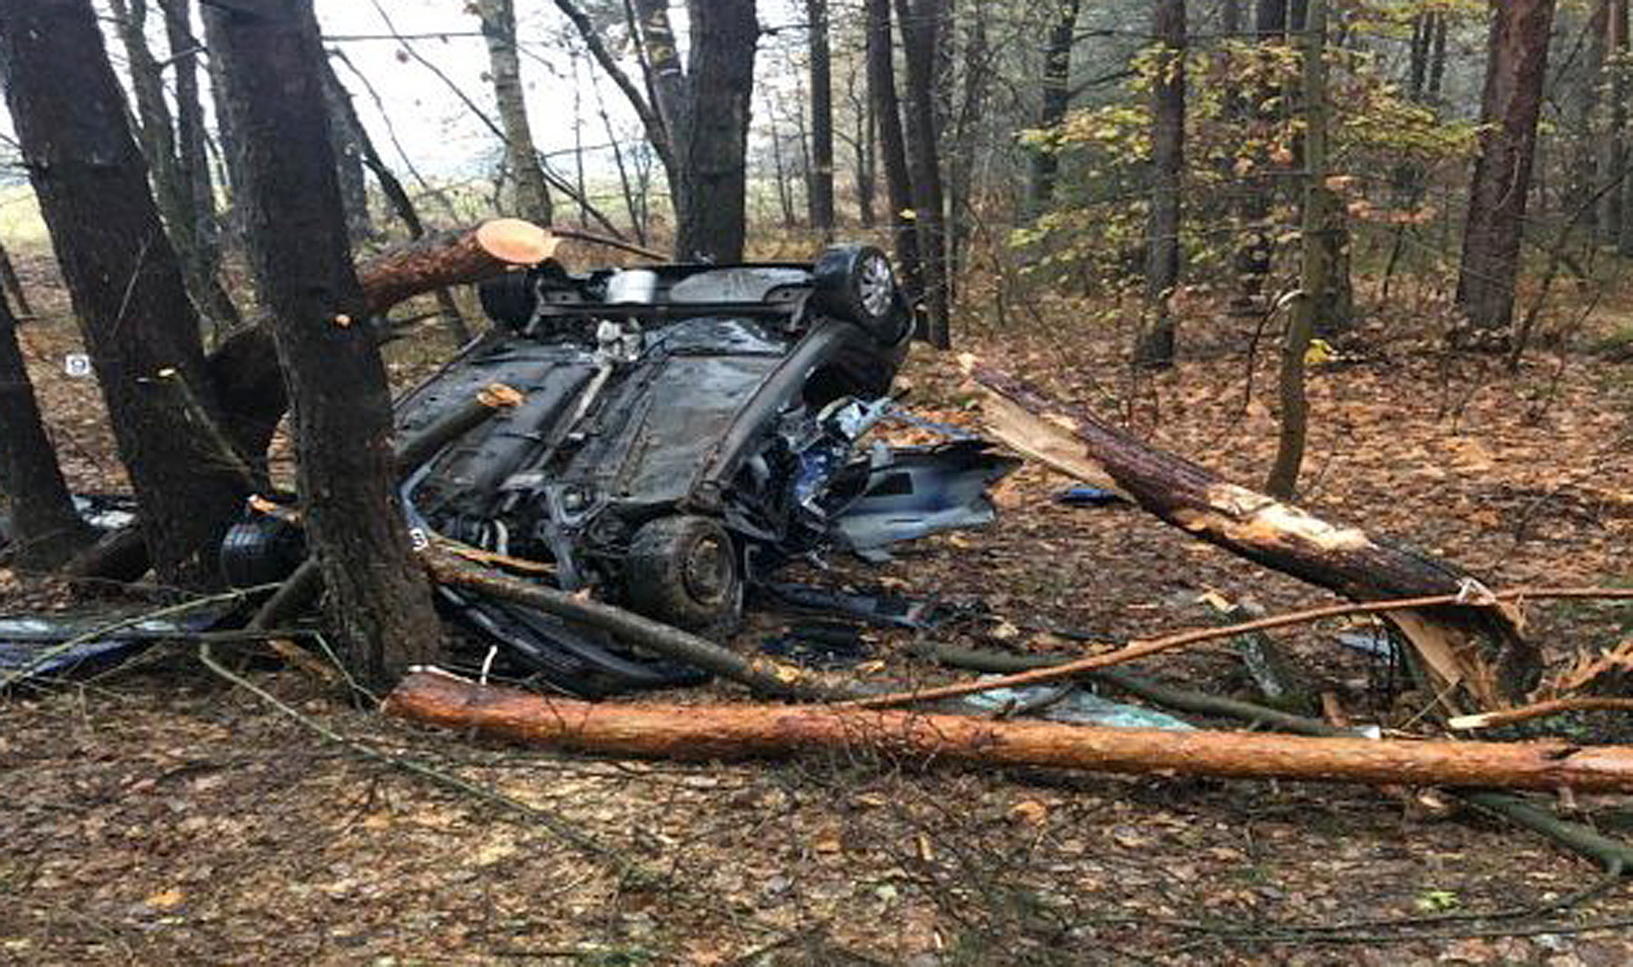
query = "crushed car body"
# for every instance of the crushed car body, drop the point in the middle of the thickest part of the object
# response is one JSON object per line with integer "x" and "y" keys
{"x": 681, "y": 431}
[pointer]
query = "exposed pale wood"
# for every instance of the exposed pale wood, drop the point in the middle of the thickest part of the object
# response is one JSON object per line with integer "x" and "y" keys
{"x": 1474, "y": 651}
{"x": 750, "y": 731}
{"x": 1586, "y": 703}
{"x": 456, "y": 257}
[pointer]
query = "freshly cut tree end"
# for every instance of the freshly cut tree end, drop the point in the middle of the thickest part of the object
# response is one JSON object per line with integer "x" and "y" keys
{"x": 516, "y": 240}
{"x": 498, "y": 396}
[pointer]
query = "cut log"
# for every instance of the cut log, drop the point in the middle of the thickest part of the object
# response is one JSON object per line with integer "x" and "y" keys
{"x": 1473, "y": 653}
{"x": 456, "y": 257}
{"x": 758, "y": 731}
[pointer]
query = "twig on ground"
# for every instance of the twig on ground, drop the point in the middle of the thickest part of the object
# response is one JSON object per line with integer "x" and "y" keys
{"x": 1144, "y": 649}
{"x": 551, "y": 823}
{"x": 1508, "y": 716}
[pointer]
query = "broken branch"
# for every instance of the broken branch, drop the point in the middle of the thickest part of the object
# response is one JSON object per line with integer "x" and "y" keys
{"x": 441, "y": 259}
{"x": 1446, "y": 634}
{"x": 1144, "y": 649}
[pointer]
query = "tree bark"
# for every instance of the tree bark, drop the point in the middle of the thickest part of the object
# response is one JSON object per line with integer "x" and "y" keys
{"x": 920, "y": 25}
{"x": 455, "y": 257}
{"x": 121, "y": 272}
{"x": 1515, "y": 71}
{"x": 1057, "y": 75}
{"x": 1156, "y": 343}
{"x": 707, "y": 733}
{"x": 1317, "y": 266}
{"x": 822, "y": 121}
{"x": 12, "y": 286}
{"x": 532, "y": 195}
{"x": 892, "y": 146}
{"x": 1255, "y": 255}
{"x": 45, "y": 529}
{"x": 1477, "y": 648}
{"x": 379, "y": 601}
{"x": 712, "y": 144}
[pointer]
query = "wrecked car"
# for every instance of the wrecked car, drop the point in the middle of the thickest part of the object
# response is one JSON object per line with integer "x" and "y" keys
{"x": 682, "y": 430}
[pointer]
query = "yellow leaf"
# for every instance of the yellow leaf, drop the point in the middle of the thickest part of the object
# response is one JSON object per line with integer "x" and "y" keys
{"x": 908, "y": 214}
{"x": 1320, "y": 352}
{"x": 165, "y": 899}
{"x": 1029, "y": 811}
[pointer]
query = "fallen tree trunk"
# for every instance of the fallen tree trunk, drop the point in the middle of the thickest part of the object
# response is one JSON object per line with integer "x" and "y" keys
{"x": 756, "y": 731}
{"x": 1476, "y": 647}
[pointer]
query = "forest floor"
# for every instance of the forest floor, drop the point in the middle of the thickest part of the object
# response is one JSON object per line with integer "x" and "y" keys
{"x": 159, "y": 816}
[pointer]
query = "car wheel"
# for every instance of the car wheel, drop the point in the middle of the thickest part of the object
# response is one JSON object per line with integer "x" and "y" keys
{"x": 683, "y": 571}
{"x": 856, "y": 283}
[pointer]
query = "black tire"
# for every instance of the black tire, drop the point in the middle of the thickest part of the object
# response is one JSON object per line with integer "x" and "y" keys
{"x": 684, "y": 571}
{"x": 509, "y": 299}
{"x": 856, "y": 283}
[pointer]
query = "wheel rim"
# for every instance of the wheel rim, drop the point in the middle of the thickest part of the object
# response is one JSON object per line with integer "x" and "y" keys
{"x": 707, "y": 571}
{"x": 875, "y": 286}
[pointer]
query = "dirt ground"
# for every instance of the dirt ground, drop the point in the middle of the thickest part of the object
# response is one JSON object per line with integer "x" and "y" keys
{"x": 159, "y": 815}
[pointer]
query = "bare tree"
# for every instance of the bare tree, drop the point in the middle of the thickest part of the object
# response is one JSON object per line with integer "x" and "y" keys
{"x": 379, "y": 600}
{"x": 532, "y": 193}
{"x": 1515, "y": 70}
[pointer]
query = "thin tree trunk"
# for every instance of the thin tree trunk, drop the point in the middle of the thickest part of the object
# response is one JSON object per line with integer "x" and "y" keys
{"x": 1057, "y": 74}
{"x": 345, "y": 136}
{"x": 1617, "y": 225}
{"x": 1317, "y": 268}
{"x": 866, "y": 160}
{"x": 122, "y": 274}
{"x": 892, "y": 146}
{"x": 1156, "y": 343}
{"x": 920, "y": 24}
{"x": 1255, "y": 255}
{"x": 12, "y": 285}
{"x": 965, "y": 144}
{"x": 822, "y": 121}
{"x": 379, "y": 601}
{"x": 45, "y": 529}
{"x": 532, "y": 195}
{"x": 1510, "y": 105}
{"x": 785, "y": 194}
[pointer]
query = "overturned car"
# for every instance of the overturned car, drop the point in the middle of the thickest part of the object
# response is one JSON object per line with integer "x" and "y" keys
{"x": 682, "y": 430}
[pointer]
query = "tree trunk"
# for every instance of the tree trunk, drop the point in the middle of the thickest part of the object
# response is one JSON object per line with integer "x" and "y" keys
{"x": 1317, "y": 263}
{"x": 966, "y": 142}
{"x": 822, "y": 121}
{"x": 715, "y": 732}
{"x": 920, "y": 23}
{"x": 532, "y": 195}
{"x": 1156, "y": 343}
{"x": 1279, "y": 536}
{"x": 1617, "y": 227}
{"x": 1256, "y": 252}
{"x": 45, "y": 529}
{"x": 867, "y": 156}
{"x": 193, "y": 171}
{"x": 122, "y": 274}
{"x": 347, "y": 140}
{"x": 1515, "y": 71}
{"x": 892, "y": 146}
{"x": 11, "y": 285}
{"x": 1057, "y": 75}
{"x": 712, "y": 144}
{"x": 379, "y": 600}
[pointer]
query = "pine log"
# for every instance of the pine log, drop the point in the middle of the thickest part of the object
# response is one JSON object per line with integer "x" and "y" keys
{"x": 1474, "y": 652}
{"x": 441, "y": 259}
{"x": 714, "y": 732}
